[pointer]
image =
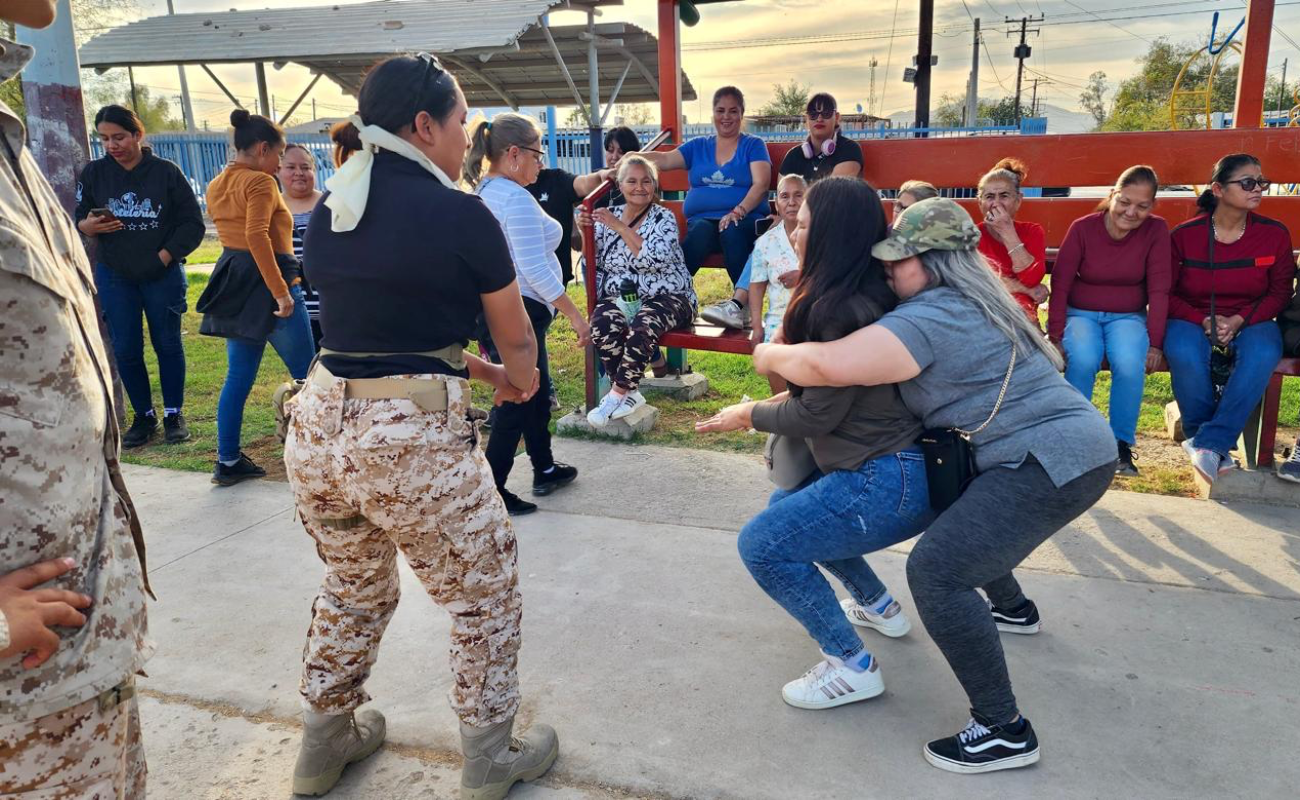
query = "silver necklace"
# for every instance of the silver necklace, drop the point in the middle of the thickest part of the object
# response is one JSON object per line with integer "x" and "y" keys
{"x": 1215, "y": 231}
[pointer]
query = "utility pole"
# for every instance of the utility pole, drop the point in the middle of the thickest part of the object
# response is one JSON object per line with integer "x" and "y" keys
{"x": 871, "y": 93}
{"x": 973, "y": 89}
{"x": 1281, "y": 96}
{"x": 1033, "y": 104}
{"x": 313, "y": 109}
{"x": 135, "y": 98}
{"x": 924, "y": 51}
{"x": 187, "y": 107}
{"x": 56, "y": 120}
{"x": 1022, "y": 52}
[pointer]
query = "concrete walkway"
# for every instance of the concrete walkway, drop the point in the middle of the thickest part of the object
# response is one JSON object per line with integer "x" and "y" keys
{"x": 1167, "y": 668}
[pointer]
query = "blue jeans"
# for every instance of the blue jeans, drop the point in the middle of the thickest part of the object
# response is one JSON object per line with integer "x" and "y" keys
{"x": 1257, "y": 349}
{"x": 291, "y": 338}
{"x": 1122, "y": 340}
{"x": 831, "y": 521}
{"x": 162, "y": 302}
{"x": 735, "y": 243}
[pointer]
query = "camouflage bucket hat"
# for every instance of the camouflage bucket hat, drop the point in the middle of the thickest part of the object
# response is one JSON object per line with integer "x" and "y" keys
{"x": 934, "y": 224}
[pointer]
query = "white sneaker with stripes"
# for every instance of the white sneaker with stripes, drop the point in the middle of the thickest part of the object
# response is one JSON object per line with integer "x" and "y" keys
{"x": 890, "y": 620}
{"x": 831, "y": 684}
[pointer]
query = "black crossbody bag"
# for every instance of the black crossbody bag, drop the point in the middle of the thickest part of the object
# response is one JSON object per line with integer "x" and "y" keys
{"x": 950, "y": 456}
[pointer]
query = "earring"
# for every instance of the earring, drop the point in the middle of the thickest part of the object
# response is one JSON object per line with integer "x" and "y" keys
{"x": 514, "y": 167}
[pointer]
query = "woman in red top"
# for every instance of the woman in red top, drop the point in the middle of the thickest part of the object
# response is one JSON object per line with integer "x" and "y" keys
{"x": 1017, "y": 251}
{"x": 1232, "y": 274}
{"x": 1110, "y": 299}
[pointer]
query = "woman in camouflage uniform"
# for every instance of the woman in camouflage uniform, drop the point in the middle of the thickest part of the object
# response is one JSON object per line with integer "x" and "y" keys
{"x": 383, "y": 451}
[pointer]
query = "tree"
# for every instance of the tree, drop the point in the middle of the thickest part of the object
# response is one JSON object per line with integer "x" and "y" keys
{"x": 949, "y": 112}
{"x": 634, "y": 113}
{"x": 1003, "y": 112}
{"x": 1141, "y": 102}
{"x": 1093, "y": 98}
{"x": 790, "y": 100}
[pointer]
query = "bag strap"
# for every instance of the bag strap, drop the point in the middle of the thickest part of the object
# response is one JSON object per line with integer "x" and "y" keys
{"x": 1002, "y": 395}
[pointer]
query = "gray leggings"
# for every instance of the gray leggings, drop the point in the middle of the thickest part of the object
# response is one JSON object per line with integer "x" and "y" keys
{"x": 1002, "y": 517}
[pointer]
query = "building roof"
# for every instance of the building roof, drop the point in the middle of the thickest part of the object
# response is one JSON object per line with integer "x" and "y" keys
{"x": 497, "y": 49}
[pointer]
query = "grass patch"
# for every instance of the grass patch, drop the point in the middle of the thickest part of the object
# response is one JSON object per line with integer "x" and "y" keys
{"x": 730, "y": 378}
{"x": 208, "y": 253}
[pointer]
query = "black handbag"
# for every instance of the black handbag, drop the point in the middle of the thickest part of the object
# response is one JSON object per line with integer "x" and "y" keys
{"x": 950, "y": 456}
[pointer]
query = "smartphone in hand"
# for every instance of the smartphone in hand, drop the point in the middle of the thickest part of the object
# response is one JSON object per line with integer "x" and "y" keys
{"x": 763, "y": 225}
{"x": 106, "y": 213}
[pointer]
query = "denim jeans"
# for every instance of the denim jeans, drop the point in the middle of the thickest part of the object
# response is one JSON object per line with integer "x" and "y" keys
{"x": 831, "y": 521}
{"x": 162, "y": 302}
{"x": 1122, "y": 340}
{"x": 291, "y": 338}
{"x": 735, "y": 243}
{"x": 1212, "y": 426}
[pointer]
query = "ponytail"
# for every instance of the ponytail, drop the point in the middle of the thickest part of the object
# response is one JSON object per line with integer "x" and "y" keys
{"x": 478, "y": 152}
{"x": 347, "y": 140}
{"x": 1223, "y": 169}
{"x": 491, "y": 139}
{"x": 1011, "y": 170}
{"x": 1207, "y": 202}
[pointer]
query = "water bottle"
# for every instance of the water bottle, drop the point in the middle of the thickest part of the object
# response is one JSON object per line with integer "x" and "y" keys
{"x": 629, "y": 301}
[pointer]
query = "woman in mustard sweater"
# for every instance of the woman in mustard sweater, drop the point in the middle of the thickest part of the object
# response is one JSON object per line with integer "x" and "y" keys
{"x": 254, "y": 296}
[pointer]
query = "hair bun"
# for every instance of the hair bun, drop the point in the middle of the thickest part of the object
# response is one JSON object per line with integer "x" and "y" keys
{"x": 1013, "y": 165}
{"x": 346, "y": 135}
{"x": 239, "y": 117}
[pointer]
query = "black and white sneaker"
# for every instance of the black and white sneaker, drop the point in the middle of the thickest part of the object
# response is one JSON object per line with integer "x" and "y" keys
{"x": 141, "y": 431}
{"x": 1289, "y": 470}
{"x": 1125, "y": 466}
{"x": 242, "y": 470}
{"x": 1023, "y": 620}
{"x": 983, "y": 747}
{"x": 546, "y": 482}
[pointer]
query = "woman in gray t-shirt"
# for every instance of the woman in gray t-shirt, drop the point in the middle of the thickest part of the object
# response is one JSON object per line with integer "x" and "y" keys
{"x": 1045, "y": 458}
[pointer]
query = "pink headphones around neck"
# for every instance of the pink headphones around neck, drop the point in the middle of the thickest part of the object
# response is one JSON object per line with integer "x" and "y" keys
{"x": 828, "y": 147}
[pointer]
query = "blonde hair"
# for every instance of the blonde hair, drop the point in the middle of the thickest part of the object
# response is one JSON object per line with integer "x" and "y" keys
{"x": 792, "y": 176}
{"x": 492, "y": 138}
{"x": 630, "y": 160}
{"x": 1011, "y": 170}
{"x": 921, "y": 190}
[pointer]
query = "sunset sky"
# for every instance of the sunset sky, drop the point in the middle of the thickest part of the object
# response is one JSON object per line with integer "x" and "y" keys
{"x": 1072, "y": 45}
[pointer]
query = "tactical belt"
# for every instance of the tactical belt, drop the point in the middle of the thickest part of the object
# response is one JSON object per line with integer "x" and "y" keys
{"x": 427, "y": 393}
{"x": 112, "y": 698}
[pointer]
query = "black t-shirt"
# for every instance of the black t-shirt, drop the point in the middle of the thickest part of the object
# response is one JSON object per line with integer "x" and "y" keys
{"x": 820, "y": 165}
{"x": 554, "y": 193}
{"x": 409, "y": 276}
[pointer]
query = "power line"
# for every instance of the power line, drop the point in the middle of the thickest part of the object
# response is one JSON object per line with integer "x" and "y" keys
{"x": 1108, "y": 22}
{"x": 889, "y": 59}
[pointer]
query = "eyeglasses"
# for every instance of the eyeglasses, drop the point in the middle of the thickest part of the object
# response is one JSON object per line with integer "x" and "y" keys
{"x": 432, "y": 66}
{"x": 1250, "y": 184}
{"x": 540, "y": 154}
{"x": 823, "y": 114}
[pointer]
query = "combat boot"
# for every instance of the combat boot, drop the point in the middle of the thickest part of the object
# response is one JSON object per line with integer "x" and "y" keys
{"x": 495, "y": 760}
{"x": 330, "y": 743}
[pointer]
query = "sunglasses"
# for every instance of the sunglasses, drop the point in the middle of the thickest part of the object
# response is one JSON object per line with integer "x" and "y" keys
{"x": 823, "y": 114}
{"x": 1250, "y": 184}
{"x": 432, "y": 67}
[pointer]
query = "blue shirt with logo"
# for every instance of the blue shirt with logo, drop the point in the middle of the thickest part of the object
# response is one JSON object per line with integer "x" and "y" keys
{"x": 716, "y": 190}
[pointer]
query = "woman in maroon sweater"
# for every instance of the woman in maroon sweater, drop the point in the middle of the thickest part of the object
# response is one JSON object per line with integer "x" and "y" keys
{"x": 1233, "y": 272}
{"x": 1110, "y": 299}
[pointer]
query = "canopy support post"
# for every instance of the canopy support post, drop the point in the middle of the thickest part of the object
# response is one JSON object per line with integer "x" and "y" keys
{"x": 301, "y": 97}
{"x": 221, "y": 86}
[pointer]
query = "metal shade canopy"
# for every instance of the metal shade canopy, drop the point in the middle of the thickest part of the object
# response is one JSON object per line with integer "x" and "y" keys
{"x": 498, "y": 49}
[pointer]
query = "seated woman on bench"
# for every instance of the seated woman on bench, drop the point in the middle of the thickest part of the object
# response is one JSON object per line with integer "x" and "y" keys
{"x": 1111, "y": 300}
{"x": 729, "y": 174}
{"x": 642, "y": 283}
{"x": 1016, "y": 250}
{"x": 1232, "y": 274}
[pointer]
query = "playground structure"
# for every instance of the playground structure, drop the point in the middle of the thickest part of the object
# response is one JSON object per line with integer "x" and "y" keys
{"x": 1199, "y": 101}
{"x": 1093, "y": 159}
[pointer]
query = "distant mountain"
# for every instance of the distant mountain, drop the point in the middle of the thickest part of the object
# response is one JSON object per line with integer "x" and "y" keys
{"x": 1059, "y": 120}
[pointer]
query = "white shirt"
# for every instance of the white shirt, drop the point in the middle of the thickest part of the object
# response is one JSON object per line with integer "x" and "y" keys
{"x": 532, "y": 236}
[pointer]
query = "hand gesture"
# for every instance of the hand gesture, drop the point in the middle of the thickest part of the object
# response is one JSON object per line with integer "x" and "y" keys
{"x": 732, "y": 418}
{"x": 1038, "y": 293}
{"x": 31, "y": 613}
{"x": 1155, "y": 359}
{"x": 582, "y": 328}
{"x": 1227, "y": 327}
{"x": 733, "y": 217}
{"x": 94, "y": 225}
{"x": 788, "y": 279}
{"x": 285, "y": 306}
{"x": 1002, "y": 226}
{"x": 604, "y": 216}
{"x": 583, "y": 218}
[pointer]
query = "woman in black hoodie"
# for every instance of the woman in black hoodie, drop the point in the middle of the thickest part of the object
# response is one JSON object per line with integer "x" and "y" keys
{"x": 144, "y": 217}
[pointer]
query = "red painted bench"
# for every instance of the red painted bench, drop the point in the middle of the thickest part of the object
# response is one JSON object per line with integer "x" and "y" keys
{"x": 1183, "y": 157}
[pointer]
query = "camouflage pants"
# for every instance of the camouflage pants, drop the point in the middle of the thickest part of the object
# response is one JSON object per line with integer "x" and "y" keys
{"x": 370, "y": 478}
{"x": 625, "y": 350}
{"x": 81, "y": 753}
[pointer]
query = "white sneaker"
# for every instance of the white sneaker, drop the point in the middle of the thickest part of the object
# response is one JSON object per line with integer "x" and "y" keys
{"x": 601, "y": 414}
{"x": 831, "y": 684}
{"x": 892, "y": 621}
{"x": 1207, "y": 463}
{"x": 631, "y": 402}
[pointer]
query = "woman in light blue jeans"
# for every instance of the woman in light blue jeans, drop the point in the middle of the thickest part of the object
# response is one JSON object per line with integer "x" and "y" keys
{"x": 868, "y": 490}
{"x": 1110, "y": 301}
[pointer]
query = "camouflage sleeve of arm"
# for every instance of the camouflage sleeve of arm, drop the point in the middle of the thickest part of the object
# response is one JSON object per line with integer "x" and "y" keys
{"x": 4, "y": 632}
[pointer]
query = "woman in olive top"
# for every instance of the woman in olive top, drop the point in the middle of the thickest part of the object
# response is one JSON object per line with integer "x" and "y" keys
{"x": 867, "y": 491}
{"x": 254, "y": 296}
{"x": 1111, "y": 300}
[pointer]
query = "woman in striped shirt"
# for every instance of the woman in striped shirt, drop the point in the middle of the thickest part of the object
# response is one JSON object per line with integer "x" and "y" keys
{"x": 511, "y": 145}
{"x": 298, "y": 184}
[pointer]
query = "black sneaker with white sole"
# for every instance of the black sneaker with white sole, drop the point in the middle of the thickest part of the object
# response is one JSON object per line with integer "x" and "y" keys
{"x": 546, "y": 482}
{"x": 984, "y": 747}
{"x": 1125, "y": 466}
{"x": 1023, "y": 620}
{"x": 141, "y": 431}
{"x": 242, "y": 470}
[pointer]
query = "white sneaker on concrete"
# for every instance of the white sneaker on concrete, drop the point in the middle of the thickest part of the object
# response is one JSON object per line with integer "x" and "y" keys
{"x": 831, "y": 684}
{"x": 892, "y": 622}
{"x": 631, "y": 402}
{"x": 604, "y": 411}
{"x": 1207, "y": 463}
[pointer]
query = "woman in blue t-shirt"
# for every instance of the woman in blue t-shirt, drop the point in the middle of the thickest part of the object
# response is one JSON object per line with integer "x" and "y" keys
{"x": 730, "y": 173}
